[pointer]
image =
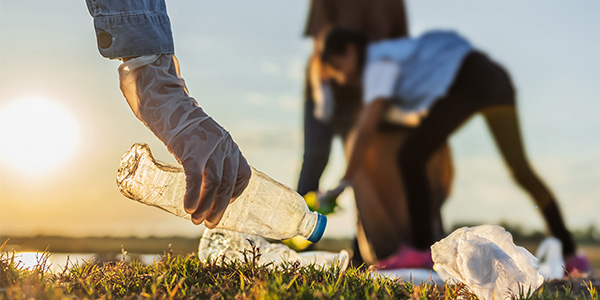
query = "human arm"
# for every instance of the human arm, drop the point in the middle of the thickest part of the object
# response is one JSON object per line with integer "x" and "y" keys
{"x": 379, "y": 81}
{"x": 131, "y": 28}
{"x": 325, "y": 202}
{"x": 365, "y": 129}
{"x": 216, "y": 171}
{"x": 139, "y": 32}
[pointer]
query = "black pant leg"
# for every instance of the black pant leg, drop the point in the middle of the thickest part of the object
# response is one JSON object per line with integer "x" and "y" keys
{"x": 473, "y": 90}
{"x": 317, "y": 145}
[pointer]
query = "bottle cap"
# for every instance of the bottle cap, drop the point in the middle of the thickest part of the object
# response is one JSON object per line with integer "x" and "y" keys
{"x": 317, "y": 233}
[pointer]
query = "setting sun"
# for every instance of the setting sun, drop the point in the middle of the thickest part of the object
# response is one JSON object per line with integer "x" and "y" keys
{"x": 37, "y": 135}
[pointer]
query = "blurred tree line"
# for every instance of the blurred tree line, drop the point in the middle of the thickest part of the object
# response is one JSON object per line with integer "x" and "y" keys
{"x": 588, "y": 235}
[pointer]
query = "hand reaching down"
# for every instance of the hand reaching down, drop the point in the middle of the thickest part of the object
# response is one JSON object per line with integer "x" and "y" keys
{"x": 215, "y": 169}
{"x": 325, "y": 202}
{"x": 331, "y": 195}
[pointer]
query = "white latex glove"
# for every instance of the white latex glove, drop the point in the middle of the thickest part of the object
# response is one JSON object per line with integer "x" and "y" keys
{"x": 216, "y": 172}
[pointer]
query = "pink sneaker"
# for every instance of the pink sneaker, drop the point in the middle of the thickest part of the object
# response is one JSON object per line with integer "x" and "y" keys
{"x": 407, "y": 258}
{"x": 578, "y": 263}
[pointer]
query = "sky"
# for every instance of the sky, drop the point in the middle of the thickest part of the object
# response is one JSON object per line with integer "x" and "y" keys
{"x": 65, "y": 123}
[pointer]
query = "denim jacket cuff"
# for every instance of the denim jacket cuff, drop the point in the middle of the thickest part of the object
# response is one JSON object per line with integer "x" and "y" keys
{"x": 136, "y": 34}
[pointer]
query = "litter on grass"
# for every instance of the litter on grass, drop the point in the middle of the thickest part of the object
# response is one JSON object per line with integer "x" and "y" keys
{"x": 411, "y": 275}
{"x": 551, "y": 259}
{"x": 486, "y": 259}
{"x": 217, "y": 244}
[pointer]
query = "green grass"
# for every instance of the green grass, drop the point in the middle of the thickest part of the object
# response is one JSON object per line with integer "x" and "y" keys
{"x": 186, "y": 277}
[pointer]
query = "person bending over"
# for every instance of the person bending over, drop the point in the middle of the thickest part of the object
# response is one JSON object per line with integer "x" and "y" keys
{"x": 434, "y": 83}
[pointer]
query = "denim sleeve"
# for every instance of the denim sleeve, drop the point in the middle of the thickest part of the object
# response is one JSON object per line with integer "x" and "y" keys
{"x": 127, "y": 28}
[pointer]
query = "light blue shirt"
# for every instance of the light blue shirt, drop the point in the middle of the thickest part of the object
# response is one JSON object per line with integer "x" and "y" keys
{"x": 427, "y": 67}
{"x": 128, "y": 28}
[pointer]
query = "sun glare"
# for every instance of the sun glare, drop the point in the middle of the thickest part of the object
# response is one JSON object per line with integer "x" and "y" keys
{"x": 37, "y": 135}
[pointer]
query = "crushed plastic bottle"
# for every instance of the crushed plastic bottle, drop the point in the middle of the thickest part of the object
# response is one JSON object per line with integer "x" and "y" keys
{"x": 549, "y": 254}
{"x": 265, "y": 208}
{"x": 235, "y": 246}
{"x": 487, "y": 261}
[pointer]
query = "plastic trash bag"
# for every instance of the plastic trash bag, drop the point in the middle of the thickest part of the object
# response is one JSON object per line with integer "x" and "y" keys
{"x": 551, "y": 259}
{"x": 487, "y": 261}
{"x": 218, "y": 243}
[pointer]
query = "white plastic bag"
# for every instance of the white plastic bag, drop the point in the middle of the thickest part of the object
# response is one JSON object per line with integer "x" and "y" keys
{"x": 550, "y": 257}
{"x": 218, "y": 243}
{"x": 487, "y": 261}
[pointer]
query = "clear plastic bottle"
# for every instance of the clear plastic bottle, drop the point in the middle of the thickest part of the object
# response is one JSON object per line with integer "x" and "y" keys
{"x": 266, "y": 208}
{"x": 234, "y": 246}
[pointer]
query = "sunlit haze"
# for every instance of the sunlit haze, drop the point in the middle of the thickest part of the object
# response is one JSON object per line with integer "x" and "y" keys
{"x": 65, "y": 123}
{"x": 38, "y": 135}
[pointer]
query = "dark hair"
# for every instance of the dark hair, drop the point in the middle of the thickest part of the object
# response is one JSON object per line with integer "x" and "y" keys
{"x": 338, "y": 40}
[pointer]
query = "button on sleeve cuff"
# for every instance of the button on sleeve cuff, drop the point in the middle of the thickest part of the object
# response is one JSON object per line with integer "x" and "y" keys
{"x": 133, "y": 35}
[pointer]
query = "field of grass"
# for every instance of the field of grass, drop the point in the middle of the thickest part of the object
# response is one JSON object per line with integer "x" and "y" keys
{"x": 186, "y": 277}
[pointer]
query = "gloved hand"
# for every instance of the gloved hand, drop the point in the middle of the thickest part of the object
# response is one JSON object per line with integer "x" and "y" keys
{"x": 215, "y": 169}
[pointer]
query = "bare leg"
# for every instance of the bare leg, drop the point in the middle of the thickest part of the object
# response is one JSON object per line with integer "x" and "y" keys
{"x": 504, "y": 125}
